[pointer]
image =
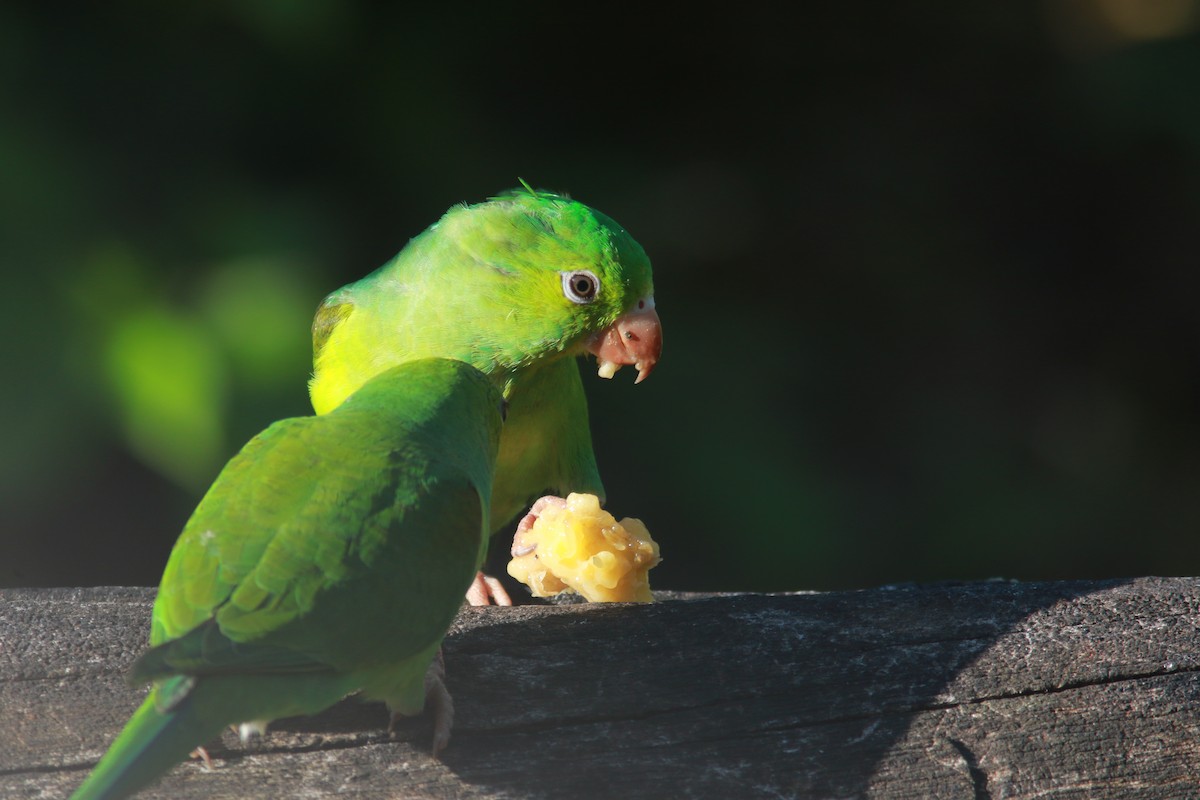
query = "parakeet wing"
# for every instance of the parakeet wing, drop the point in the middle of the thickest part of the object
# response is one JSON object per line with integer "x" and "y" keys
{"x": 363, "y": 511}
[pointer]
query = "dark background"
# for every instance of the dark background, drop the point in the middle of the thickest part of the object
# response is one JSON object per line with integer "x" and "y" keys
{"x": 927, "y": 271}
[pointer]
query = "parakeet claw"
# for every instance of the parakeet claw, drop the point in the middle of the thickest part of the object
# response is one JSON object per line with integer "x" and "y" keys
{"x": 519, "y": 546}
{"x": 203, "y": 755}
{"x": 437, "y": 701}
{"x": 635, "y": 338}
{"x": 486, "y": 590}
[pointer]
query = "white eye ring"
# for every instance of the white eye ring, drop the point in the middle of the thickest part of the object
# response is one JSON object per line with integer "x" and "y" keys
{"x": 580, "y": 286}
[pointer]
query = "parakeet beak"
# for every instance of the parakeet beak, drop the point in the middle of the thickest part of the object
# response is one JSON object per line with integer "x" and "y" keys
{"x": 635, "y": 338}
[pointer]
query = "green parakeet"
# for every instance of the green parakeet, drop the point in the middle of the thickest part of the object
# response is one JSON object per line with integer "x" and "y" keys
{"x": 329, "y": 556}
{"x": 516, "y": 286}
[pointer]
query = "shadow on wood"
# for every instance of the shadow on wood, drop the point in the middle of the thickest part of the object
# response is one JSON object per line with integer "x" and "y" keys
{"x": 986, "y": 690}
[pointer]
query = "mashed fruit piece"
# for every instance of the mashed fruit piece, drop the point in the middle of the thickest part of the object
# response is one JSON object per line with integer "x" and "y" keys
{"x": 577, "y": 546}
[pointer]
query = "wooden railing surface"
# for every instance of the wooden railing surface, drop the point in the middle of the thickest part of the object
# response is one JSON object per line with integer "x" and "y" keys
{"x": 982, "y": 690}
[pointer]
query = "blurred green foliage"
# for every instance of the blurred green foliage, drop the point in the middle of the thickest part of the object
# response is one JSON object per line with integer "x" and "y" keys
{"x": 927, "y": 275}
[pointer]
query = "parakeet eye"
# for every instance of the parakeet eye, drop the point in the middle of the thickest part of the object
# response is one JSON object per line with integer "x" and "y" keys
{"x": 580, "y": 286}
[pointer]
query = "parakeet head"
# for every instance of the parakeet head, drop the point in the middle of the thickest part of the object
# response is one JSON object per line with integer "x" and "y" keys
{"x": 566, "y": 279}
{"x": 518, "y": 280}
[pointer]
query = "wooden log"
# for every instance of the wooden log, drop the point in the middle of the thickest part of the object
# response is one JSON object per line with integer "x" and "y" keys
{"x": 983, "y": 690}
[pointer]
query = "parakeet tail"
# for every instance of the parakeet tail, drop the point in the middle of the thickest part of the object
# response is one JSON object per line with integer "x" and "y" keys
{"x": 152, "y": 742}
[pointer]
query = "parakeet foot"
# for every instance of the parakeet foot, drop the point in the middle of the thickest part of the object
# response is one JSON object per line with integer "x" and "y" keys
{"x": 203, "y": 755}
{"x": 486, "y": 590}
{"x": 438, "y": 702}
{"x": 519, "y": 546}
